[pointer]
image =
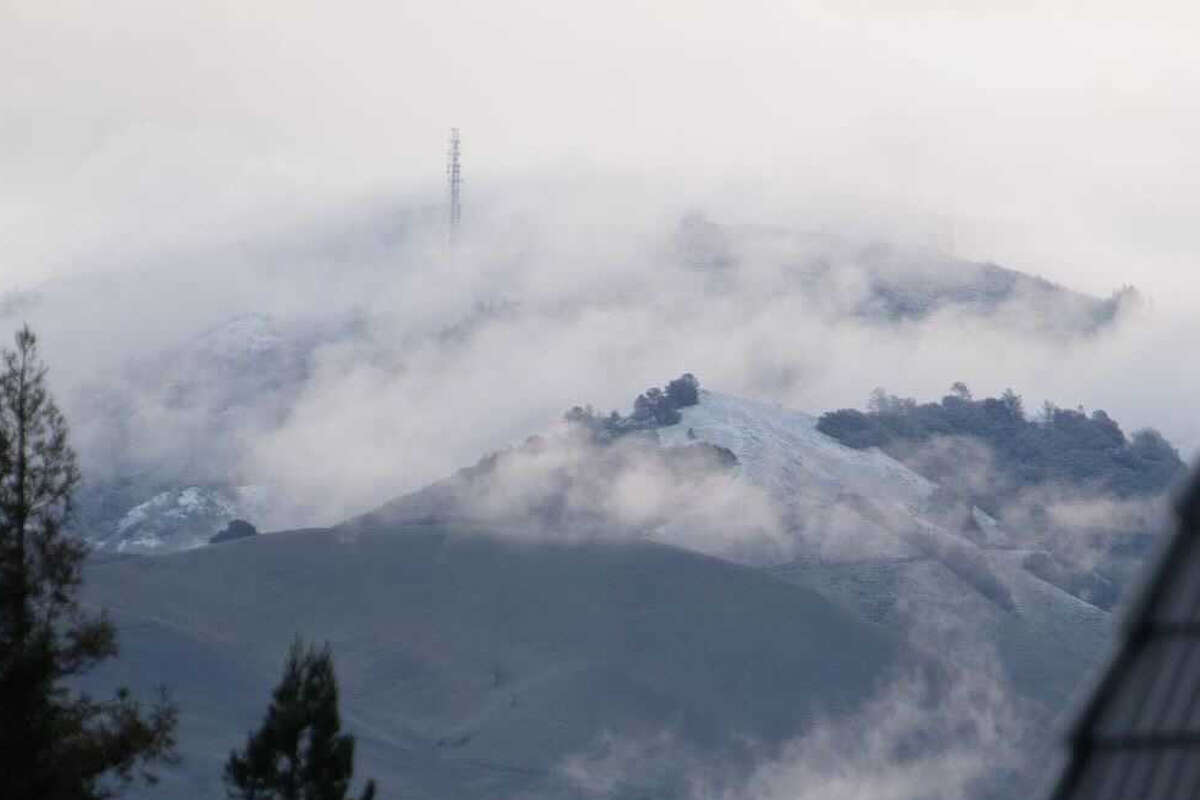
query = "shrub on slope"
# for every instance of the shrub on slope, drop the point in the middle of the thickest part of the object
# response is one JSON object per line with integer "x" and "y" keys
{"x": 1062, "y": 446}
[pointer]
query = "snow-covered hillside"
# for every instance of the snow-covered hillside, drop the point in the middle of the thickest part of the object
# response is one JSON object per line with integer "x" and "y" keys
{"x": 868, "y": 534}
{"x": 180, "y": 519}
{"x": 162, "y": 438}
{"x": 838, "y": 503}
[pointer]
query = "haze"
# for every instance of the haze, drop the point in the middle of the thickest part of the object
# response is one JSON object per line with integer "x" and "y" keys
{"x": 1050, "y": 138}
{"x": 166, "y": 168}
{"x": 226, "y": 222}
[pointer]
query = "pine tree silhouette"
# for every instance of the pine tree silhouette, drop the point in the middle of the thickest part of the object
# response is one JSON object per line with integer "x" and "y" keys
{"x": 55, "y": 743}
{"x": 299, "y": 752}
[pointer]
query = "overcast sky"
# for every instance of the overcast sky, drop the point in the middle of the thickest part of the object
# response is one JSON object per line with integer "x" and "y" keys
{"x": 1054, "y": 140}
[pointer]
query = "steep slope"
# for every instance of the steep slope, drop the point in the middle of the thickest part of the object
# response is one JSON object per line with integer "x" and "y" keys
{"x": 855, "y": 525}
{"x": 472, "y": 664}
{"x": 867, "y": 535}
{"x": 1047, "y": 642}
{"x": 835, "y": 502}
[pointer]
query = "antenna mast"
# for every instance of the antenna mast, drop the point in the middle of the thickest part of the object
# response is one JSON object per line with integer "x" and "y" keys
{"x": 454, "y": 177}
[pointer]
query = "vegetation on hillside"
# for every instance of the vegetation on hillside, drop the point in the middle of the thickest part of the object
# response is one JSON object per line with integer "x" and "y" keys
{"x": 236, "y": 529}
{"x": 578, "y": 477}
{"x": 653, "y": 408}
{"x": 1059, "y": 446}
{"x": 299, "y": 751}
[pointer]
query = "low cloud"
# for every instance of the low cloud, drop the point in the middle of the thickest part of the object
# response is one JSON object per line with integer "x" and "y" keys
{"x": 943, "y": 734}
{"x": 569, "y": 487}
{"x": 385, "y": 363}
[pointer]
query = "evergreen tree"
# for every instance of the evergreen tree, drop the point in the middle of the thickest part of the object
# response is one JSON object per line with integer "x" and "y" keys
{"x": 55, "y": 743}
{"x": 299, "y": 752}
{"x": 959, "y": 389}
{"x": 684, "y": 391}
{"x": 1058, "y": 447}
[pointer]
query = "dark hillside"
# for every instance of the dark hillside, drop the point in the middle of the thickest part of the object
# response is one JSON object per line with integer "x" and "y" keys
{"x": 1062, "y": 447}
{"x": 471, "y": 665}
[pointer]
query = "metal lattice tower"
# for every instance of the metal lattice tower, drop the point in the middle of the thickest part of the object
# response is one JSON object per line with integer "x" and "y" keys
{"x": 454, "y": 179}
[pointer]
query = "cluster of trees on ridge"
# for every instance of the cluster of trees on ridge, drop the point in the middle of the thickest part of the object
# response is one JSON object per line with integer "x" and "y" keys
{"x": 59, "y": 744}
{"x": 653, "y": 408}
{"x": 571, "y": 489}
{"x": 1059, "y": 446}
{"x": 236, "y": 529}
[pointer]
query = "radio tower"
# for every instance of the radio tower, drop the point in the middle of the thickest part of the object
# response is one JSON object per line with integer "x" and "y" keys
{"x": 454, "y": 178}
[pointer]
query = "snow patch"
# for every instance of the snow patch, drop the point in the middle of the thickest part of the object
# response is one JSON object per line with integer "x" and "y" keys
{"x": 182, "y": 519}
{"x": 839, "y": 503}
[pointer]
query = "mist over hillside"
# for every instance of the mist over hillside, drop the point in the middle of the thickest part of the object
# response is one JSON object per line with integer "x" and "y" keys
{"x": 311, "y": 381}
{"x": 985, "y": 650}
{"x": 246, "y": 388}
{"x": 763, "y": 486}
{"x": 565, "y": 432}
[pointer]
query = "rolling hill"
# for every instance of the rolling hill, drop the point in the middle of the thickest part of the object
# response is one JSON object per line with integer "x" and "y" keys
{"x": 473, "y": 664}
{"x": 480, "y": 655}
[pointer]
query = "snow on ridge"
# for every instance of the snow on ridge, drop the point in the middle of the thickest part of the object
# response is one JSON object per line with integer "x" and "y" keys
{"x": 839, "y": 503}
{"x": 175, "y": 504}
{"x": 773, "y": 442}
{"x": 184, "y": 518}
{"x": 781, "y": 449}
{"x": 850, "y": 505}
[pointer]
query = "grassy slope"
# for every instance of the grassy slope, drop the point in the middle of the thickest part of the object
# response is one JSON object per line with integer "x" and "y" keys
{"x": 471, "y": 665}
{"x": 1048, "y": 644}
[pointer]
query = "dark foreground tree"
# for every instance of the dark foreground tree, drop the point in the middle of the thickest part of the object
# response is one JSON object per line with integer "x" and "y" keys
{"x": 55, "y": 743}
{"x": 299, "y": 752}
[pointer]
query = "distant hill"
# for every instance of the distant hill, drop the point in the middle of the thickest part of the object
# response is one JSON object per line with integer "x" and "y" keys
{"x": 186, "y": 412}
{"x": 989, "y": 290}
{"x": 494, "y": 625}
{"x": 789, "y": 499}
{"x": 178, "y": 519}
{"x": 884, "y": 284}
